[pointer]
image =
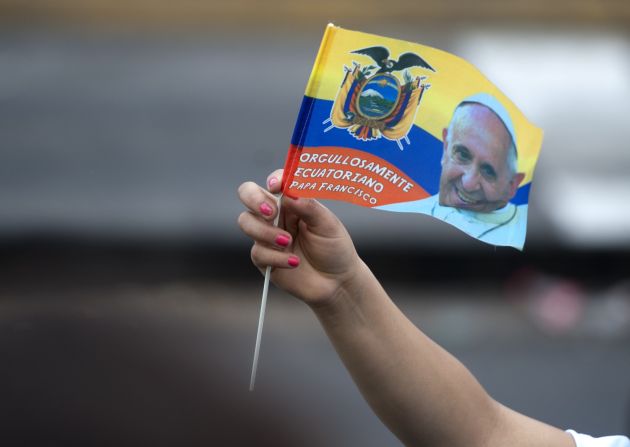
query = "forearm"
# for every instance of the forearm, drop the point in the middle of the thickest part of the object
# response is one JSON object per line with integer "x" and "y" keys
{"x": 421, "y": 392}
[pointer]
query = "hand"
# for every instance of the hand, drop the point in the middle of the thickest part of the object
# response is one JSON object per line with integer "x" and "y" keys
{"x": 311, "y": 252}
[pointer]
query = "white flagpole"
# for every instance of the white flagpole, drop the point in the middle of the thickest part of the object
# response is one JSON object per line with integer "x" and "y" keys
{"x": 263, "y": 306}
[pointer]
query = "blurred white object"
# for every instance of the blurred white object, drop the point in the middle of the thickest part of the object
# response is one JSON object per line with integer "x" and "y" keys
{"x": 575, "y": 85}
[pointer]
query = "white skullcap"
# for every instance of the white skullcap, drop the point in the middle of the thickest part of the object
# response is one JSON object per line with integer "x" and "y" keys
{"x": 493, "y": 104}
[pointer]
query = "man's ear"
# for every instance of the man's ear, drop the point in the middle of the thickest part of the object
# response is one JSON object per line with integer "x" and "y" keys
{"x": 515, "y": 183}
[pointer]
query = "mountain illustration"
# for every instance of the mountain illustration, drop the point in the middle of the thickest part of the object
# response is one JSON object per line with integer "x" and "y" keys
{"x": 371, "y": 93}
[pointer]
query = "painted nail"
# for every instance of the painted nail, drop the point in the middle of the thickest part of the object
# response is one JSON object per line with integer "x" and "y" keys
{"x": 282, "y": 240}
{"x": 294, "y": 261}
{"x": 272, "y": 181}
{"x": 266, "y": 209}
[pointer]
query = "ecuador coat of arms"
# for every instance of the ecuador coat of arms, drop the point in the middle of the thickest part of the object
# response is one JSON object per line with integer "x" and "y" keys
{"x": 373, "y": 102}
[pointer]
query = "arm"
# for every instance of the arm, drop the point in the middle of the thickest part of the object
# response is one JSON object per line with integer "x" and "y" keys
{"x": 422, "y": 393}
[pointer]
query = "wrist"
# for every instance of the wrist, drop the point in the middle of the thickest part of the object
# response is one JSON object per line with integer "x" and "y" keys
{"x": 348, "y": 296}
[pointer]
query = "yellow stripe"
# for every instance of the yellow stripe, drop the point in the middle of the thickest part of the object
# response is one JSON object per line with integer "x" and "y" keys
{"x": 454, "y": 80}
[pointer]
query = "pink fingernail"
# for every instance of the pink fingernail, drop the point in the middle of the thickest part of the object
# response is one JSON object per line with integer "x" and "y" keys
{"x": 282, "y": 240}
{"x": 294, "y": 261}
{"x": 272, "y": 181}
{"x": 266, "y": 209}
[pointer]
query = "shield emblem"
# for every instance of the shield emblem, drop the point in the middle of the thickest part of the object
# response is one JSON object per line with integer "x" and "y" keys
{"x": 377, "y": 106}
{"x": 378, "y": 97}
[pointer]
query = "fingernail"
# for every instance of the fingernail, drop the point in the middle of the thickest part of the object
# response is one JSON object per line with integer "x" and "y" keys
{"x": 282, "y": 240}
{"x": 272, "y": 181}
{"x": 294, "y": 261}
{"x": 266, "y": 209}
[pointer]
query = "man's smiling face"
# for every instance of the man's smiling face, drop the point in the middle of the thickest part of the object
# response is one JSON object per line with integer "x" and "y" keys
{"x": 475, "y": 170}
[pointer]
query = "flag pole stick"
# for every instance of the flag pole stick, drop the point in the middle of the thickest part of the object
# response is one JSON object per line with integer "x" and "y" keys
{"x": 263, "y": 306}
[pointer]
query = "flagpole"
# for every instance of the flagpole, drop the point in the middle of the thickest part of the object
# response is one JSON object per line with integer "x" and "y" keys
{"x": 263, "y": 306}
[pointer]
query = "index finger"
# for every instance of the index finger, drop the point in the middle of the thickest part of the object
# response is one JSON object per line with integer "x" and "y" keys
{"x": 259, "y": 201}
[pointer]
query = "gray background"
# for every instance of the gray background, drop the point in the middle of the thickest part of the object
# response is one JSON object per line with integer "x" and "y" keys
{"x": 125, "y": 130}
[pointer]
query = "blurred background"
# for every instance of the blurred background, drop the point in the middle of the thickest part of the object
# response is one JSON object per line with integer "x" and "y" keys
{"x": 128, "y": 305}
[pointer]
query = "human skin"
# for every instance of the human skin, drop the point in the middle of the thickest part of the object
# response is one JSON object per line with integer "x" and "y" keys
{"x": 475, "y": 174}
{"x": 424, "y": 395}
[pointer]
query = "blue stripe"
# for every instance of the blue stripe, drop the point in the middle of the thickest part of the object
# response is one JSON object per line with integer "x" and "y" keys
{"x": 420, "y": 160}
{"x": 303, "y": 120}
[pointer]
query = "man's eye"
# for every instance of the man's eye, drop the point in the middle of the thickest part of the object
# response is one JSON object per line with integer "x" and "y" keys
{"x": 461, "y": 154}
{"x": 488, "y": 172}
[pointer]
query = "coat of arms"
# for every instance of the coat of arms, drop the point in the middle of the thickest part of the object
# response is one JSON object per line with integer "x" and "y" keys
{"x": 375, "y": 103}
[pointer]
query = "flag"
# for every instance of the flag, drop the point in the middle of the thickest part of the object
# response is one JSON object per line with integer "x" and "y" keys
{"x": 403, "y": 127}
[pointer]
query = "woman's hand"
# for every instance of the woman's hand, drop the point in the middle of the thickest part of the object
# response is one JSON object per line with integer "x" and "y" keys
{"x": 310, "y": 251}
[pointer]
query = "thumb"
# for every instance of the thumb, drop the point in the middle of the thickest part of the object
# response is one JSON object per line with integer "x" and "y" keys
{"x": 317, "y": 217}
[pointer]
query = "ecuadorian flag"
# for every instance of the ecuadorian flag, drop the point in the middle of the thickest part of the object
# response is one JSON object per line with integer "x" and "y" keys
{"x": 403, "y": 127}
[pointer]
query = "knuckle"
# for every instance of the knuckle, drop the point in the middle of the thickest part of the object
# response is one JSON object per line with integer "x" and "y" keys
{"x": 242, "y": 219}
{"x": 240, "y": 189}
{"x": 243, "y": 187}
{"x": 253, "y": 226}
{"x": 311, "y": 206}
{"x": 246, "y": 190}
{"x": 255, "y": 254}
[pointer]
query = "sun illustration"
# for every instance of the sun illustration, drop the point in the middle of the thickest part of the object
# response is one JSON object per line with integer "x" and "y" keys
{"x": 383, "y": 82}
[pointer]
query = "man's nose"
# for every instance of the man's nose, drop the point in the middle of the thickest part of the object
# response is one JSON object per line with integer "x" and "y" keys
{"x": 470, "y": 179}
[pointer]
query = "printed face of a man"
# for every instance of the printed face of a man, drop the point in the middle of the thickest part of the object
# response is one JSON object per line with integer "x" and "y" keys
{"x": 475, "y": 174}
